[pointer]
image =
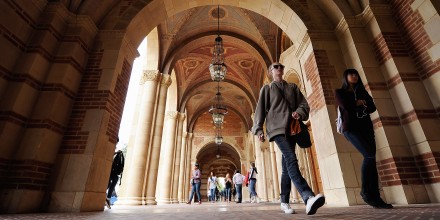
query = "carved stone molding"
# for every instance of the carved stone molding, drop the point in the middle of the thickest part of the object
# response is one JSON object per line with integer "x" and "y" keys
{"x": 149, "y": 75}
{"x": 171, "y": 115}
{"x": 166, "y": 80}
{"x": 182, "y": 116}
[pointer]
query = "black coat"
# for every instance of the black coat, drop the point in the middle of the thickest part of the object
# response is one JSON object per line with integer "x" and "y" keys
{"x": 352, "y": 114}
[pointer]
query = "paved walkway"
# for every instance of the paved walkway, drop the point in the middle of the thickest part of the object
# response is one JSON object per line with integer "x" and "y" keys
{"x": 232, "y": 211}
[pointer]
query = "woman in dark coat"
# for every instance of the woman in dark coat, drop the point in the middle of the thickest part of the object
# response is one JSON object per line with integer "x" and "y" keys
{"x": 356, "y": 105}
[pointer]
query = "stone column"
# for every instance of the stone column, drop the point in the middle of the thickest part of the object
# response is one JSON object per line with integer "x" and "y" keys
{"x": 157, "y": 140}
{"x": 177, "y": 160}
{"x": 166, "y": 159}
{"x": 188, "y": 167}
{"x": 134, "y": 178}
{"x": 183, "y": 161}
{"x": 273, "y": 163}
{"x": 259, "y": 163}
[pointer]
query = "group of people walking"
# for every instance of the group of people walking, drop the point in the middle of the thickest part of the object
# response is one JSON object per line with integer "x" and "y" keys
{"x": 279, "y": 103}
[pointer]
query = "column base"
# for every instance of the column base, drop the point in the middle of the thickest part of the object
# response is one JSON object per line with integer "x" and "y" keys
{"x": 164, "y": 201}
{"x": 150, "y": 201}
{"x": 129, "y": 201}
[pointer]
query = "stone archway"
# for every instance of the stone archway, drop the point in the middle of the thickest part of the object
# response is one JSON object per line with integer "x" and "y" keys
{"x": 220, "y": 159}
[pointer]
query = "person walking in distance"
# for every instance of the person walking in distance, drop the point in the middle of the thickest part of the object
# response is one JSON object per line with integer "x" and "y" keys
{"x": 195, "y": 184}
{"x": 115, "y": 174}
{"x": 252, "y": 181}
{"x": 279, "y": 102}
{"x": 356, "y": 105}
{"x": 212, "y": 185}
{"x": 228, "y": 188}
{"x": 238, "y": 180}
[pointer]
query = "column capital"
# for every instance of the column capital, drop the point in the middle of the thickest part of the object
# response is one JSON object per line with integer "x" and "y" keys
{"x": 185, "y": 134}
{"x": 190, "y": 135}
{"x": 171, "y": 115}
{"x": 166, "y": 80}
{"x": 149, "y": 75}
{"x": 182, "y": 116}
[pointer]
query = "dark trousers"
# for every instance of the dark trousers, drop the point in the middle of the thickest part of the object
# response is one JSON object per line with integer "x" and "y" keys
{"x": 195, "y": 189}
{"x": 290, "y": 170}
{"x": 112, "y": 184}
{"x": 364, "y": 142}
{"x": 238, "y": 188}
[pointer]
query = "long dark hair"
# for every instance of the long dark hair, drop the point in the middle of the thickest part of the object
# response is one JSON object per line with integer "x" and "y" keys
{"x": 346, "y": 84}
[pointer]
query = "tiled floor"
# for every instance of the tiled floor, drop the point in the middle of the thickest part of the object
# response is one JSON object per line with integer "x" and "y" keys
{"x": 242, "y": 211}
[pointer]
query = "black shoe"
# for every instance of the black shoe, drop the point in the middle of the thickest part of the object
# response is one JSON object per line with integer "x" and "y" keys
{"x": 380, "y": 204}
{"x": 369, "y": 201}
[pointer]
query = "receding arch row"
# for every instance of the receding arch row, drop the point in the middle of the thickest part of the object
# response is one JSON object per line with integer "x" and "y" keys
{"x": 196, "y": 115}
{"x": 173, "y": 55}
{"x": 190, "y": 92}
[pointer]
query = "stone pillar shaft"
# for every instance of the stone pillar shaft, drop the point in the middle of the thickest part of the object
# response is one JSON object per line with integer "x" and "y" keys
{"x": 134, "y": 178}
{"x": 165, "y": 167}
{"x": 157, "y": 141}
{"x": 177, "y": 158}
{"x": 183, "y": 161}
{"x": 276, "y": 184}
{"x": 188, "y": 167}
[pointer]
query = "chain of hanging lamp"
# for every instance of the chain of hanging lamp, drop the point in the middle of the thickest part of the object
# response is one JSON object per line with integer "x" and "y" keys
{"x": 218, "y": 67}
{"x": 218, "y": 72}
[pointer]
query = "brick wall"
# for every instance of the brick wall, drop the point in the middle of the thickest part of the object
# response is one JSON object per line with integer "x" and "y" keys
{"x": 24, "y": 174}
{"x": 232, "y": 126}
{"x": 321, "y": 75}
{"x": 422, "y": 169}
{"x": 410, "y": 23}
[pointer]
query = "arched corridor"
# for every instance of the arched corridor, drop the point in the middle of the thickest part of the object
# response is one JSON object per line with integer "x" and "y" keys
{"x": 67, "y": 65}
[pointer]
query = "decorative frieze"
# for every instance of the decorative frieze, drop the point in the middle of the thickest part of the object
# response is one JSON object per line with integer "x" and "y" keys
{"x": 149, "y": 75}
{"x": 171, "y": 115}
{"x": 166, "y": 80}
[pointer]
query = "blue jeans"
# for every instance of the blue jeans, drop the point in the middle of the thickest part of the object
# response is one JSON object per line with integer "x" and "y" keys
{"x": 212, "y": 194}
{"x": 364, "y": 142}
{"x": 252, "y": 183}
{"x": 228, "y": 194}
{"x": 238, "y": 189}
{"x": 195, "y": 188}
{"x": 290, "y": 170}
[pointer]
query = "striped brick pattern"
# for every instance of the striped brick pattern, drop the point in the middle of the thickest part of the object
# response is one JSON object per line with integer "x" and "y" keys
{"x": 414, "y": 35}
{"x": 321, "y": 75}
{"x": 422, "y": 169}
{"x": 24, "y": 174}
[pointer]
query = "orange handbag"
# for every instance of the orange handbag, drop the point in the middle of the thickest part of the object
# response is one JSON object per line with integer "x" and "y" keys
{"x": 295, "y": 127}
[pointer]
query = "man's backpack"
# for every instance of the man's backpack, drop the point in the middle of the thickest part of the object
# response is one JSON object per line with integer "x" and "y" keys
{"x": 339, "y": 121}
{"x": 118, "y": 163}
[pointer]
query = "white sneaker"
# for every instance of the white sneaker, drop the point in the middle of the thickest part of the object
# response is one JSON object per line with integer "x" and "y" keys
{"x": 313, "y": 203}
{"x": 286, "y": 208}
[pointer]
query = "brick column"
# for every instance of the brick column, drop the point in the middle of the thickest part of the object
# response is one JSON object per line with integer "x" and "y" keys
{"x": 134, "y": 171}
{"x": 166, "y": 159}
{"x": 42, "y": 86}
{"x": 84, "y": 161}
{"x": 157, "y": 140}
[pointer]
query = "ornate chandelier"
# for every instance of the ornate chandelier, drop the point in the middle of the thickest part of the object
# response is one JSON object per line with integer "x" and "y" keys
{"x": 218, "y": 68}
{"x": 218, "y": 111}
{"x": 218, "y": 139}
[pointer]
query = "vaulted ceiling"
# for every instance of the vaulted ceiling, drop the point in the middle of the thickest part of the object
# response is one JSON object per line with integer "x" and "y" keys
{"x": 186, "y": 45}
